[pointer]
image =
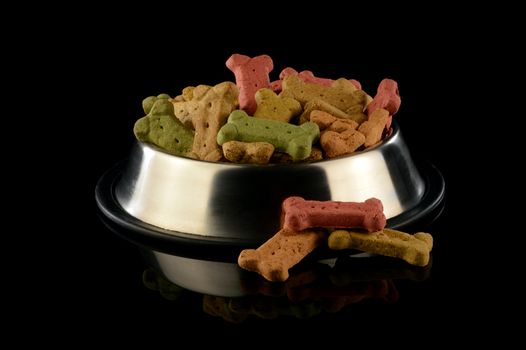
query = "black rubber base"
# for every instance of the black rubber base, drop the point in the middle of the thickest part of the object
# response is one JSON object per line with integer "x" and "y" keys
{"x": 431, "y": 205}
{"x": 160, "y": 239}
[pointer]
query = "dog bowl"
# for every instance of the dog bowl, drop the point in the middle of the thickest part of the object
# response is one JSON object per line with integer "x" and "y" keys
{"x": 185, "y": 200}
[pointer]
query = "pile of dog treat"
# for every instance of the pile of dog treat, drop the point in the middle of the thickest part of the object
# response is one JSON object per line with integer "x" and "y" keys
{"x": 307, "y": 225}
{"x": 299, "y": 117}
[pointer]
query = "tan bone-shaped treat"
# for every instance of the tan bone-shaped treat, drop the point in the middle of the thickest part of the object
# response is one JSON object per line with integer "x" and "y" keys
{"x": 276, "y": 256}
{"x": 336, "y": 144}
{"x": 366, "y": 101}
{"x": 414, "y": 249}
{"x": 357, "y": 112}
{"x": 248, "y": 152}
{"x": 272, "y": 106}
{"x": 320, "y": 105}
{"x": 374, "y": 127}
{"x": 185, "y": 107}
{"x": 338, "y": 136}
{"x": 341, "y": 94}
{"x": 284, "y": 158}
{"x": 325, "y": 120}
{"x": 186, "y": 95}
{"x": 207, "y": 109}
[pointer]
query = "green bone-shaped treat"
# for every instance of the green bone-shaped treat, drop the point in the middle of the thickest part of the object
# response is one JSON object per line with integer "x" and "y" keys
{"x": 292, "y": 139}
{"x": 148, "y": 102}
{"x": 162, "y": 128}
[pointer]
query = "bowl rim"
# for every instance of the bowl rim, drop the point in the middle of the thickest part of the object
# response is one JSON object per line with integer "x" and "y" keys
{"x": 383, "y": 143}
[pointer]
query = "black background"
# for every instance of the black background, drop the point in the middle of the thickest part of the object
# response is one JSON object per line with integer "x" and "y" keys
{"x": 90, "y": 273}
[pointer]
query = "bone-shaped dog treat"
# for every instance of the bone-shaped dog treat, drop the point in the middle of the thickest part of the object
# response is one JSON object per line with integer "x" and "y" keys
{"x": 308, "y": 77}
{"x": 374, "y": 127}
{"x": 277, "y": 255}
{"x": 272, "y": 106}
{"x": 299, "y": 214}
{"x": 185, "y": 107}
{"x": 206, "y": 108}
{"x": 148, "y": 102}
{"x": 341, "y": 93}
{"x": 248, "y": 152}
{"x": 284, "y": 158}
{"x": 320, "y": 105}
{"x": 186, "y": 95}
{"x": 161, "y": 128}
{"x": 251, "y": 75}
{"x": 326, "y": 120}
{"x": 338, "y": 136}
{"x": 387, "y": 97}
{"x": 414, "y": 249}
{"x": 292, "y": 139}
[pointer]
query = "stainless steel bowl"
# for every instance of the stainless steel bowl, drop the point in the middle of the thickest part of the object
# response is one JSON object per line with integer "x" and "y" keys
{"x": 191, "y": 199}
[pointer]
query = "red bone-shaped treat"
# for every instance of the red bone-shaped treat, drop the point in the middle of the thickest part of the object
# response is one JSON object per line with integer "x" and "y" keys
{"x": 251, "y": 75}
{"x": 387, "y": 97}
{"x": 299, "y": 214}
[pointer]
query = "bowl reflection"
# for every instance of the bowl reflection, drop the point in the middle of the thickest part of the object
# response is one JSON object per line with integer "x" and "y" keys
{"x": 314, "y": 287}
